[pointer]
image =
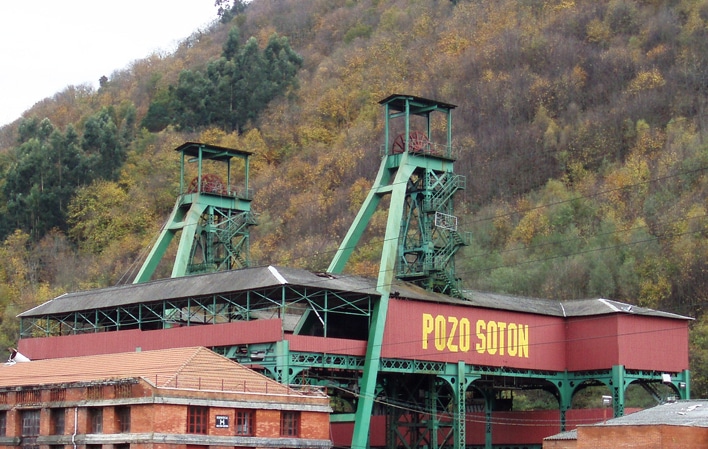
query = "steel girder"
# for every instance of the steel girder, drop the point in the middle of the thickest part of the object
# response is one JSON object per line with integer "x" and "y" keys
{"x": 439, "y": 420}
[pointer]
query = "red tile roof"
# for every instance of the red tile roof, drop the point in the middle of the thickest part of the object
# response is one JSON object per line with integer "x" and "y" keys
{"x": 183, "y": 368}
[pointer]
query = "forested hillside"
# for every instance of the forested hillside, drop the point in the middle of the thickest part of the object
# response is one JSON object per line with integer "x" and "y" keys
{"x": 581, "y": 128}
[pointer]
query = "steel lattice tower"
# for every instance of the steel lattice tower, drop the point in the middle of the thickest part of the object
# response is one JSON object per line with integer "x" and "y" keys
{"x": 212, "y": 215}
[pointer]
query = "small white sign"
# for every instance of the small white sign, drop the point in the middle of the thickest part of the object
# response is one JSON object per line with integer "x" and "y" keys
{"x": 222, "y": 421}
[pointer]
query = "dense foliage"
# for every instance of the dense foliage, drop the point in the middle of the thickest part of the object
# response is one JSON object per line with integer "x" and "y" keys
{"x": 232, "y": 91}
{"x": 581, "y": 129}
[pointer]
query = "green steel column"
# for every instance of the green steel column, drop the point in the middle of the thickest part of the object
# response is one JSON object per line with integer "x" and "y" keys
{"x": 459, "y": 383}
{"x": 448, "y": 149}
{"x": 189, "y": 228}
{"x": 565, "y": 399}
{"x": 160, "y": 246}
{"x": 488, "y": 410}
{"x": 282, "y": 361}
{"x": 181, "y": 173}
{"x": 372, "y": 362}
{"x": 685, "y": 392}
{"x": 362, "y": 218}
{"x": 433, "y": 424}
{"x": 460, "y": 429}
{"x": 246, "y": 169}
{"x": 618, "y": 374}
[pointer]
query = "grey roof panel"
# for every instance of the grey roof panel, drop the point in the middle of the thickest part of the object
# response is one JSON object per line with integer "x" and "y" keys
{"x": 274, "y": 276}
{"x": 590, "y": 307}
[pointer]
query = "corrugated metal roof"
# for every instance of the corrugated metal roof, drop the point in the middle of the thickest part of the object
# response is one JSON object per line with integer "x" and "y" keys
{"x": 195, "y": 367}
{"x": 272, "y": 276}
{"x": 690, "y": 413}
{"x": 600, "y": 306}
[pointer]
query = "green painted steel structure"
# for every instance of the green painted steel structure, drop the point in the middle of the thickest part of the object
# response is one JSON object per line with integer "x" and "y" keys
{"x": 212, "y": 215}
{"x": 421, "y": 230}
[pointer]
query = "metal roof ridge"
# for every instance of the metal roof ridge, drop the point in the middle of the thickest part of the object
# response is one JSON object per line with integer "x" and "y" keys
{"x": 42, "y": 304}
{"x": 277, "y": 275}
{"x": 611, "y": 306}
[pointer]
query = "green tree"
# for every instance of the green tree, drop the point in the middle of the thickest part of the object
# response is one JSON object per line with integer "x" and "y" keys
{"x": 103, "y": 146}
{"x": 232, "y": 91}
{"x": 42, "y": 178}
{"x": 190, "y": 100}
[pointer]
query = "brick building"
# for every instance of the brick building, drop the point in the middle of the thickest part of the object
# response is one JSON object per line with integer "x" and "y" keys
{"x": 675, "y": 425}
{"x": 173, "y": 398}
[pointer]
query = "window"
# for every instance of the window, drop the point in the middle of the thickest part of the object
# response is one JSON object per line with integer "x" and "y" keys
{"x": 123, "y": 419}
{"x": 3, "y": 423}
{"x": 197, "y": 418}
{"x": 56, "y": 417}
{"x": 244, "y": 422}
{"x": 95, "y": 415}
{"x": 289, "y": 424}
{"x": 30, "y": 429}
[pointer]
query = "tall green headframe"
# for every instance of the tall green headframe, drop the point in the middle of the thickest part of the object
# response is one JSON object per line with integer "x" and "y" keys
{"x": 212, "y": 216}
{"x": 421, "y": 238}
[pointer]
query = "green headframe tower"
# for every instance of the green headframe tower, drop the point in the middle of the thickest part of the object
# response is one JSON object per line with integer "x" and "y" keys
{"x": 422, "y": 237}
{"x": 421, "y": 231}
{"x": 212, "y": 216}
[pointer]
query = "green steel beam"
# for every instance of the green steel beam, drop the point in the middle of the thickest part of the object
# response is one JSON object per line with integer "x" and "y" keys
{"x": 387, "y": 268}
{"x": 163, "y": 241}
{"x": 362, "y": 219}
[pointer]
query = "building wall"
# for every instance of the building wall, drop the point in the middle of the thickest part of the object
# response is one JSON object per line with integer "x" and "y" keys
{"x": 477, "y": 336}
{"x": 646, "y": 437}
{"x": 153, "y": 416}
{"x": 635, "y": 341}
{"x": 224, "y": 334}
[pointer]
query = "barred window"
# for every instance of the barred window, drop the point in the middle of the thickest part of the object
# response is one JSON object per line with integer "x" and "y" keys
{"x": 96, "y": 419}
{"x": 289, "y": 424}
{"x": 30, "y": 429}
{"x": 56, "y": 417}
{"x": 3, "y": 423}
{"x": 197, "y": 418}
{"x": 244, "y": 422}
{"x": 123, "y": 419}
